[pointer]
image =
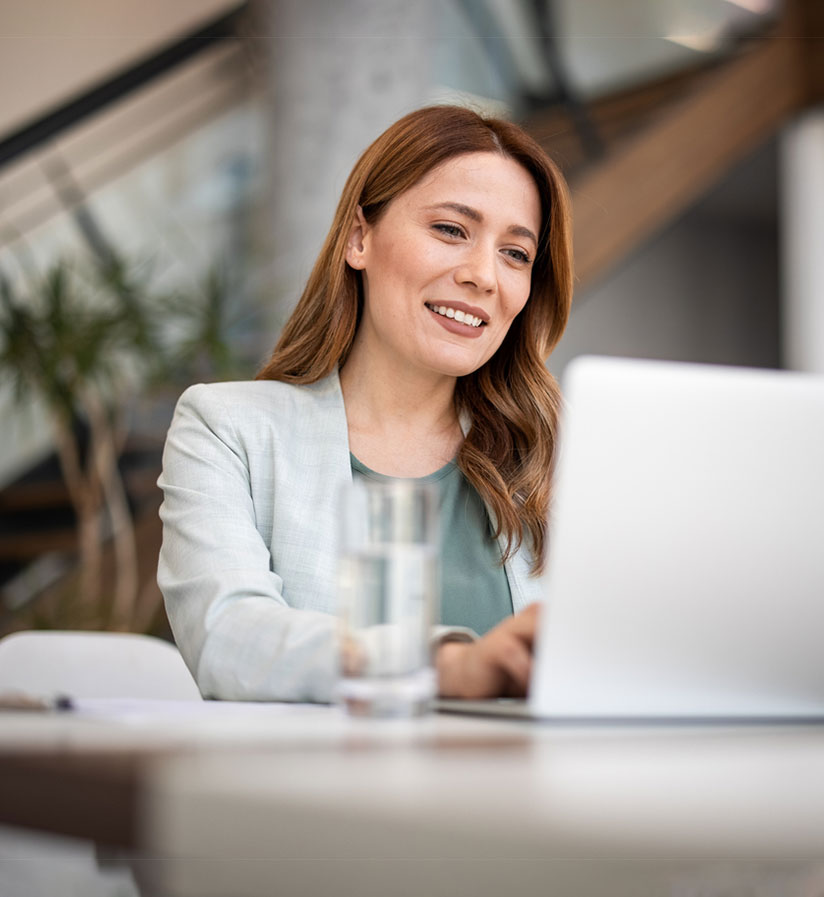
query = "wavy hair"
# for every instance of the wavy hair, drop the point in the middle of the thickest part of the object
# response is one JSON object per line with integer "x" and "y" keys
{"x": 512, "y": 402}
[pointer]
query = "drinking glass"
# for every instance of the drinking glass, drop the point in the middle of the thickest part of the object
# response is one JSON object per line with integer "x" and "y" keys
{"x": 388, "y": 591}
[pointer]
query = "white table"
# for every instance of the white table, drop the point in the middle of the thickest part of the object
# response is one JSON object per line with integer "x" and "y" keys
{"x": 306, "y": 801}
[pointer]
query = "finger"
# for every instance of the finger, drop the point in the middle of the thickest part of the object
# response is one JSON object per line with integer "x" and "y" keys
{"x": 515, "y": 659}
{"x": 524, "y": 624}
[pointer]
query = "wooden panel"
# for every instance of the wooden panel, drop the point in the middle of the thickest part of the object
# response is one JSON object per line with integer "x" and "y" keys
{"x": 657, "y": 173}
{"x": 811, "y": 16}
{"x": 141, "y": 483}
{"x": 614, "y": 116}
{"x": 21, "y": 547}
{"x": 82, "y": 796}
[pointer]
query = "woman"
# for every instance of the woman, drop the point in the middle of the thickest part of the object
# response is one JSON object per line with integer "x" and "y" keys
{"x": 417, "y": 349}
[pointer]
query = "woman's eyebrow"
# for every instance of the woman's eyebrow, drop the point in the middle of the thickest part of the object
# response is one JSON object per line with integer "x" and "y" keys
{"x": 460, "y": 208}
{"x": 516, "y": 230}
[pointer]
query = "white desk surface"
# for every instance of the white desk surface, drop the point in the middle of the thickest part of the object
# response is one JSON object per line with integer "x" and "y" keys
{"x": 240, "y": 797}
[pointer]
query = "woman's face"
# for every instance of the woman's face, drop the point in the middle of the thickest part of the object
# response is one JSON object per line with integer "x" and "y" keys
{"x": 448, "y": 265}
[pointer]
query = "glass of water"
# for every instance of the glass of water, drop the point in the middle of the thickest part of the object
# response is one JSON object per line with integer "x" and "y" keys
{"x": 388, "y": 593}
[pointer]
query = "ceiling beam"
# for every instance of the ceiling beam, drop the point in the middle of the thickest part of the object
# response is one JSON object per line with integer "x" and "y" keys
{"x": 653, "y": 176}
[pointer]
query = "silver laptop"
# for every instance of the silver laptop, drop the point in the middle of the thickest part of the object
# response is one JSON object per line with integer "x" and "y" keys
{"x": 686, "y": 562}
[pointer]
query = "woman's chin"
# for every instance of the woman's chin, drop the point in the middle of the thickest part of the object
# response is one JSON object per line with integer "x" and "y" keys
{"x": 455, "y": 368}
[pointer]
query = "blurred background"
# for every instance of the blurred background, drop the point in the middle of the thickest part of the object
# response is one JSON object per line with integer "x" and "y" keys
{"x": 168, "y": 173}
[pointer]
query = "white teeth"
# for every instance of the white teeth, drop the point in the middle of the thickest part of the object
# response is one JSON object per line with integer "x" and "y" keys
{"x": 461, "y": 316}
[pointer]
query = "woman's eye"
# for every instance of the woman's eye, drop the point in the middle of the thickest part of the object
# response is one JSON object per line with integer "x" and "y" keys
{"x": 519, "y": 255}
{"x": 451, "y": 230}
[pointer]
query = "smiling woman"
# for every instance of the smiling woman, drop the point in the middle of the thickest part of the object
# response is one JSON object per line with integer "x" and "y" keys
{"x": 417, "y": 349}
{"x": 456, "y": 240}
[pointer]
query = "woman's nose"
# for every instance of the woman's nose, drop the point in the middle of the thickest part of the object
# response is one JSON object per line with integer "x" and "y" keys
{"x": 478, "y": 268}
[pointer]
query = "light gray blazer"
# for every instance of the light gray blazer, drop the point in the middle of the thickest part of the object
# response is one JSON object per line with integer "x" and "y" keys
{"x": 251, "y": 472}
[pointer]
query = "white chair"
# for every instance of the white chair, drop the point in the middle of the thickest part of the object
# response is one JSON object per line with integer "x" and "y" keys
{"x": 81, "y": 665}
{"x": 94, "y": 665}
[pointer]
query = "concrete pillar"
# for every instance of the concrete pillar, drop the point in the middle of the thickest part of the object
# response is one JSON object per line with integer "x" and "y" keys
{"x": 342, "y": 71}
{"x": 802, "y": 211}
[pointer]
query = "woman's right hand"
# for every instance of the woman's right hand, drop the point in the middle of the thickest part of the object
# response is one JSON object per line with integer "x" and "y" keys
{"x": 499, "y": 664}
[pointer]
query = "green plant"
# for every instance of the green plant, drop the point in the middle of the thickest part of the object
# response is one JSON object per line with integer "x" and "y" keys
{"x": 83, "y": 341}
{"x": 212, "y": 321}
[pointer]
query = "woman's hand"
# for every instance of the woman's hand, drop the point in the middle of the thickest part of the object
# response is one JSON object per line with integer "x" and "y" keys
{"x": 497, "y": 665}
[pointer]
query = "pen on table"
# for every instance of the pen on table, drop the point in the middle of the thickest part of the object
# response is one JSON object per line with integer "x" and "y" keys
{"x": 24, "y": 702}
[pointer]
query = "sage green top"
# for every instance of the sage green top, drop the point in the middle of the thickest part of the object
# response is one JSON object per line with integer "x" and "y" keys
{"x": 474, "y": 588}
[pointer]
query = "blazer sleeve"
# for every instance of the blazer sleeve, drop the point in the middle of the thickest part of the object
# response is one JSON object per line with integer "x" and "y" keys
{"x": 237, "y": 634}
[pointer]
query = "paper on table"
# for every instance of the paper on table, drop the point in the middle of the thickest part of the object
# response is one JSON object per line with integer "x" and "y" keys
{"x": 136, "y": 724}
{"x": 141, "y": 710}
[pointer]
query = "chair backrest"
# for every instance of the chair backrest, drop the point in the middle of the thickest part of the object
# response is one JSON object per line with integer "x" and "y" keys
{"x": 94, "y": 665}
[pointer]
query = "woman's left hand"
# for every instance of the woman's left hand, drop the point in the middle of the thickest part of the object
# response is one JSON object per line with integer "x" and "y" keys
{"x": 499, "y": 664}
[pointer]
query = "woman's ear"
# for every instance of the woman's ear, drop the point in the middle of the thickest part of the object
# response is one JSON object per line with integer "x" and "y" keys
{"x": 355, "y": 245}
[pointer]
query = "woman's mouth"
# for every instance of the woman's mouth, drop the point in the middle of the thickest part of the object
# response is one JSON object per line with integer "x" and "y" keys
{"x": 457, "y": 321}
{"x": 456, "y": 314}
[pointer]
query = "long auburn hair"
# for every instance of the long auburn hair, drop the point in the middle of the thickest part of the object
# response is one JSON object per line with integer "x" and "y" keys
{"x": 512, "y": 402}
